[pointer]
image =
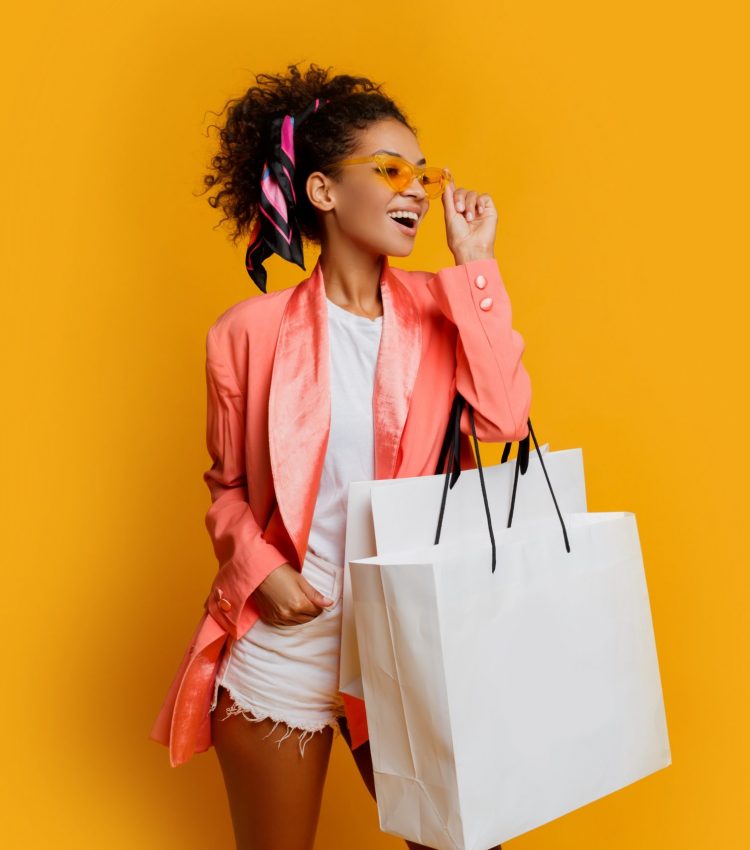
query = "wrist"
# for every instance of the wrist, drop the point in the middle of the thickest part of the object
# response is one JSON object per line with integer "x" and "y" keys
{"x": 462, "y": 257}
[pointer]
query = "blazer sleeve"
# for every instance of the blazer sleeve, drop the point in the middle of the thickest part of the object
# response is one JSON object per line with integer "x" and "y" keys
{"x": 489, "y": 372}
{"x": 245, "y": 557}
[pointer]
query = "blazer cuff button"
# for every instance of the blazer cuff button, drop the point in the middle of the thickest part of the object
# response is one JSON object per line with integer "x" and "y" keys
{"x": 485, "y": 303}
{"x": 224, "y": 603}
{"x": 480, "y": 281}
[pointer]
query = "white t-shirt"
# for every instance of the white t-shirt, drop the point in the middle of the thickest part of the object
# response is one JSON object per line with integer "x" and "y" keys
{"x": 354, "y": 343}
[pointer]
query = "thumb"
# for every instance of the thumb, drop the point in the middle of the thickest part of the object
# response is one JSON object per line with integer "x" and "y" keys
{"x": 447, "y": 196}
{"x": 315, "y": 596}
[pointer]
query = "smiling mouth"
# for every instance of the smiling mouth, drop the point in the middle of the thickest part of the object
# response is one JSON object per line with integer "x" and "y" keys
{"x": 407, "y": 225}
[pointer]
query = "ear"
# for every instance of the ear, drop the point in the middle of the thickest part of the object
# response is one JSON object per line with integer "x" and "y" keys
{"x": 319, "y": 188}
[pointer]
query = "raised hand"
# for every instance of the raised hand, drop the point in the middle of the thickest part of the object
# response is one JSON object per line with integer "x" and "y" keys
{"x": 470, "y": 223}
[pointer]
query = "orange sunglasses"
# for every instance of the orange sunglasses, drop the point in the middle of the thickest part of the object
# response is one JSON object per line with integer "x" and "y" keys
{"x": 399, "y": 173}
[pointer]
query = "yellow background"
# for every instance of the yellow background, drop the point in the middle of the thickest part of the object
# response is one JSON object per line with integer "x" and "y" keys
{"x": 613, "y": 140}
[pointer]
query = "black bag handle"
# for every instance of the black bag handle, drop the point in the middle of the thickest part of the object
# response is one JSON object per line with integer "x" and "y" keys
{"x": 449, "y": 461}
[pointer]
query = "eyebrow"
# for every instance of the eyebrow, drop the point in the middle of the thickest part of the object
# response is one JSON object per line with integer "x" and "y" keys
{"x": 422, "y": 161}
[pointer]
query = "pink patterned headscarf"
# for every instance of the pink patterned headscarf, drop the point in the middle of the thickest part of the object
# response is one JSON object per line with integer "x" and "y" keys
{"x": 276, "y": 229}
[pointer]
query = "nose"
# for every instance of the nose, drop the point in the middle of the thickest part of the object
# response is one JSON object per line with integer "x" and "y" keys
{"x": 415, "y": 190}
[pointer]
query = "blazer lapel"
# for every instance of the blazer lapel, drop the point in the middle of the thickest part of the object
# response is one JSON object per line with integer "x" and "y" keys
{"x": 299, "y": 406}
{"x": 398, "y": 361}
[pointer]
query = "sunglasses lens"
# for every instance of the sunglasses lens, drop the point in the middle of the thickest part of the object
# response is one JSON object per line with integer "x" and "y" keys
{"x": 399, "y": 175}
{"x": 432, "y": 180}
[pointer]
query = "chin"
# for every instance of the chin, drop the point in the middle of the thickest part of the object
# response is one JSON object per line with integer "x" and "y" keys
{"x": 402, "y": 251}
{"x": 400, "y": 247}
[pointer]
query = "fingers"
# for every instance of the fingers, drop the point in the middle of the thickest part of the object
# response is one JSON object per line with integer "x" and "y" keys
{"x": 484, "y": 203}
{"x": 467, "y": 201}
{"x": 470, "y": 203}
{"x": 320, "y": 600}
{"x": 315, "y": 596}
{"x": 286, "y": 598}
{"x": 449, "y": 199}
{"x": 304, "y": 614}
{"x": 293, "y": 615}
{"x": 464, "y": 201}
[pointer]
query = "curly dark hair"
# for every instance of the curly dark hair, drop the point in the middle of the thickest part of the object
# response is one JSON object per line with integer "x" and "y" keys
{"x": 325, "y": 136}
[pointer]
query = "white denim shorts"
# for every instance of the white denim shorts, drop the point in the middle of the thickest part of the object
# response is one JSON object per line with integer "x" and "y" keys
{"x": 290, "y": 673}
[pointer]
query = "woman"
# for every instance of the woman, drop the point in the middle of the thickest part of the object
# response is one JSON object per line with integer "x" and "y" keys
{"x": 347, "y": 376}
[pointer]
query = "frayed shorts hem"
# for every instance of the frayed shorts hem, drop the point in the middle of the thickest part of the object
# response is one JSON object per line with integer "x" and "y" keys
{"x": 256, "y": 714}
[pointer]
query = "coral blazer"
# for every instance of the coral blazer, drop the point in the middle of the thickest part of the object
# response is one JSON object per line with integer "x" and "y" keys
{"x": 268, "y": 419}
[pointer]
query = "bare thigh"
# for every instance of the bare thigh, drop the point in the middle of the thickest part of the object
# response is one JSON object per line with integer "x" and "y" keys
{"x": 274, "y": 793}
{"x": 363, "y": 760}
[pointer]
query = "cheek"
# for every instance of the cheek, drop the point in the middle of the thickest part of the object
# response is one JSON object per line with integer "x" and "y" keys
{"x": 366, "y": 208}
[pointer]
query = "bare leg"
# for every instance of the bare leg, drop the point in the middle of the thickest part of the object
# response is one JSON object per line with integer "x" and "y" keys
{"x": 363, "y": 760}
{"x": 262, "y": 778}
{"x": 362, "y": 757}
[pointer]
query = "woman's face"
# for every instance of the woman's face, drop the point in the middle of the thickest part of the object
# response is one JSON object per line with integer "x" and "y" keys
{"x": 355, "y": 207}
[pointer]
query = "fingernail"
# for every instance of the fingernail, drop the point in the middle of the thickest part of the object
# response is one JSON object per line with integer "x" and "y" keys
{"x": 460, "y": 206}
{"x": 469, "y": 216}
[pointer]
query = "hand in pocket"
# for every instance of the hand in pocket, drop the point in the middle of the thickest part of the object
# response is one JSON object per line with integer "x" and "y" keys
{"x": 286, "y": 598}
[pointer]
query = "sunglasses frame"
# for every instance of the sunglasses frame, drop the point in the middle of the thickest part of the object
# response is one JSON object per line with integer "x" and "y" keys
{"x": 416, "y": 170}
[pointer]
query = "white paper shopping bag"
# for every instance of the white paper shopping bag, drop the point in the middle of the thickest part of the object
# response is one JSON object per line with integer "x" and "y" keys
{"x": 498, "y": 701}
{"x": 466, "y": 515}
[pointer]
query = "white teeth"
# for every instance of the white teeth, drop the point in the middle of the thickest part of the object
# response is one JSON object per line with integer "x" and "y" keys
{"x": 403, "y": 214}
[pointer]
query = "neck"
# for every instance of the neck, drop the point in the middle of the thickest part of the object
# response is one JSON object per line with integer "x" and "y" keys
{"x": 352, "y": 280}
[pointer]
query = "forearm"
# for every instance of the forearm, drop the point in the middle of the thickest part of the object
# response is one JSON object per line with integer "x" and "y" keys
{"x": 490, "y": 373}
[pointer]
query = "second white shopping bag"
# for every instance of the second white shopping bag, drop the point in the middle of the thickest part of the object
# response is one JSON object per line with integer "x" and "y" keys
{"x": 500, "y": 699}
